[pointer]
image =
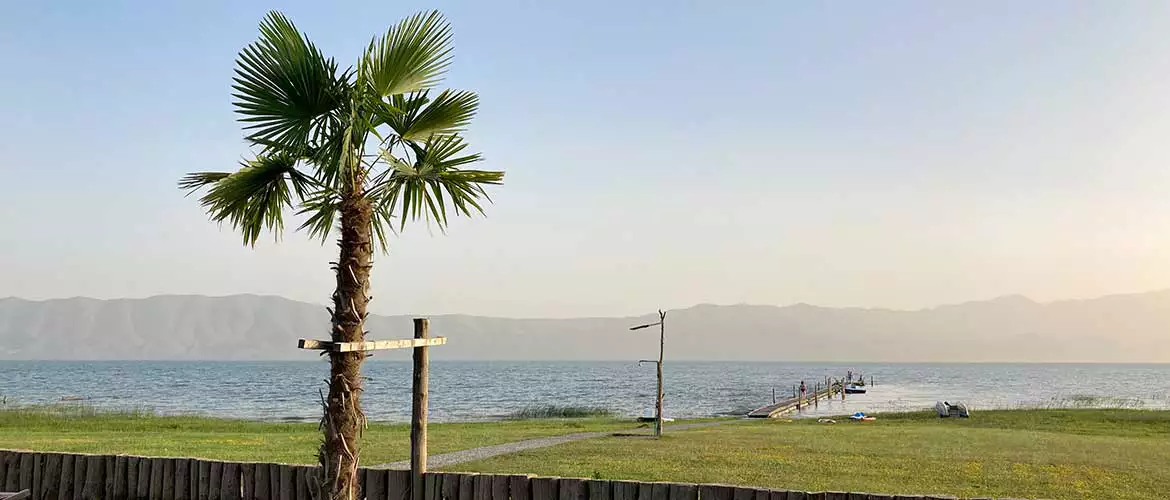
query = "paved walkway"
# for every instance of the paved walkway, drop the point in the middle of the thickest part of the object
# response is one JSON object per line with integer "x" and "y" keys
{"x": 473, "y": 454}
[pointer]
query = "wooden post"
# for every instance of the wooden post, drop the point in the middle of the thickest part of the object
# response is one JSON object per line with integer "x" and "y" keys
{"x": 661, "y": 348}
{"x": 418, "y": 412}
{"x": 871, "y": 380}
{"x": 773, "y": 394}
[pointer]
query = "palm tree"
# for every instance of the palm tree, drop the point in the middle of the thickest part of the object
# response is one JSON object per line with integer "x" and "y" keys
{"x": 350, "y": 149}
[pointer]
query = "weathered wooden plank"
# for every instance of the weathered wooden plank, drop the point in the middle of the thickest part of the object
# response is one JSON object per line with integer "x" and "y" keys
{"x": 4, "y": 469}
{"x": 132, "y": 478}
{"x": 141, "y": 479}
{"x": 168, "y": 479}
{"x": 229, "y": 486}
{"x": 625, "y": 490}
{"x": 248, "y": 481}
{"x": 193, "y": 476}
{"x": 814, "y": 495}
{"x": 263, "y": 488}
{"x": 795, "y": 495}
{"x": 658, "y": 491}
{"x": 286, "y": 482}
{"x": 38, "y": 475}
{"x": 448, "y": 485}
{"x": 499, "y": 487}
{"x": 108, "y": 481}
{"x": 65, "y": 485}
{"x": 744, "y": 494}
{"x": 183, "y": 484}
{"x": 763, "y": 494}
{"x": 121, "y": 477}
{"x": 157, "y": 468}
{"x": 432, "y": 486}
{"x": 274, "y": 482}
{"x": 215, "y": 478}
{"x": 202, "y": 479}
{"x": 599, "y": 490}
{"x": 572, "y": 489}
{"x": 302, "y": 475}
{"x": 80, "y": 463}
{"x": 544, "y": 488}
{"x": 51, "y": 477}
{"x": 467, "y": 486}
{"x": 519, "y": 487}
{"x": 398, "y": 485}
{"x": 11, "y": 466}
{"x": 684, "y": 492}
{"x": 715, "y": 492}
{"x": 369, "y": 345}
{"x": 95, "y": 478}
{"x": 375, "y": 481}
{"x": 483, "y": 487}
{"x": 27, "y": 464}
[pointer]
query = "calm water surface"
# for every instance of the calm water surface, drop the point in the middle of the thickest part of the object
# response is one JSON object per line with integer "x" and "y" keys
{"x": 485, "y": 390}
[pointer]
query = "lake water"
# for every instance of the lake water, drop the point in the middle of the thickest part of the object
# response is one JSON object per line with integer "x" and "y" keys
{"x": 486, "y": 390}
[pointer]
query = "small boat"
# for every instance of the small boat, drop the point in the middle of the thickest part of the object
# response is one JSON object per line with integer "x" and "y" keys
{"x": 648, "y": 416}
{"x": 947, "y": 410}
{"x": 854, "y": 389}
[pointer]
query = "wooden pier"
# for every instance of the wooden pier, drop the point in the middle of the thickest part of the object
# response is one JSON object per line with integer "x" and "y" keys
{"x": 819, "y": 391}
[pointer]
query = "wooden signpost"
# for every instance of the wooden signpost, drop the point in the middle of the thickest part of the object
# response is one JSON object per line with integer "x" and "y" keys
{"x": 419, "y": 388}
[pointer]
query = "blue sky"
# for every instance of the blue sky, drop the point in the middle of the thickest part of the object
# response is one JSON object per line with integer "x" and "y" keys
{"x": 659, "y": 154}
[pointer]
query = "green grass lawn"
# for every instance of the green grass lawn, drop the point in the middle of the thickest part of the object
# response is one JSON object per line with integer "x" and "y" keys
{"x": 143, "y": 434}
{"x": 1059, "y": 454}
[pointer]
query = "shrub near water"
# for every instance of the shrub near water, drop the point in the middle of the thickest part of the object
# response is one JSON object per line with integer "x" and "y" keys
{"x": 553, "y": 411}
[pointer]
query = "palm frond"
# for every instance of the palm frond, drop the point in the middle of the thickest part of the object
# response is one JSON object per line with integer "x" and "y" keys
{"x": 322, "y": 208}
{"x": 433, "y": 183}
{"x": 253, "y": 198}
{"x": 421, "y": 117}
{"x": 195, "y": 180}
{"x": 288, "y": 92}
{"x": 411, "y": 56}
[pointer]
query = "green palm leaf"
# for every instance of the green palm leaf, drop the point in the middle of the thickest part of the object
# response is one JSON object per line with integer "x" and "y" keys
{"x": 433, "y": 183}
{"x": 195, "y": 180}
{"x": 253, "y": 198}
{"x": 288, "y": 92}
{"x": 421, "y": 117}
{"x": 411, "y": 56}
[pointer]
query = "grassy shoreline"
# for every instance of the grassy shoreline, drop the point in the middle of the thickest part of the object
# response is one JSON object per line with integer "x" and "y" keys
{"x": 1054, "y": 454}
{"x": 1044, "y": 453}
{"x": 83, "y": 429}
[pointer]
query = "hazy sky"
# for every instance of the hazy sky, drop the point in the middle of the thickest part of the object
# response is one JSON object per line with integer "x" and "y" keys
{"x": 659, "y": 154}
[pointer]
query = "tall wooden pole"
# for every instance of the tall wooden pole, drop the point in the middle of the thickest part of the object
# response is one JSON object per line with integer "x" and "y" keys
{"x": 418, "y": 412}
{"x": 661, "y": 349}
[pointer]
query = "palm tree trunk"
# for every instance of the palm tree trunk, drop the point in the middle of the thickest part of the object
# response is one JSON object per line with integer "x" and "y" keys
{"x": 343, "y": 420}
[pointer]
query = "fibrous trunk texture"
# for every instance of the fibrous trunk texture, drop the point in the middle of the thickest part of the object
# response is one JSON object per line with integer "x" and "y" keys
{"x": 343, "y": 421}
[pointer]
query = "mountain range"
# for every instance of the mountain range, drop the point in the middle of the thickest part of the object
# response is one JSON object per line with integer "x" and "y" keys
{"x": 1116, "y": 328}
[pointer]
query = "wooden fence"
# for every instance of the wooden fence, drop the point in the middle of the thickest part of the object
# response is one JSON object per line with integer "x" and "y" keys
{"x": 59, "y": 476}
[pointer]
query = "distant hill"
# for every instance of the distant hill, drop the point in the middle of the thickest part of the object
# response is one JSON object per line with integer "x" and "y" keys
{"x": 1119, "y": 328}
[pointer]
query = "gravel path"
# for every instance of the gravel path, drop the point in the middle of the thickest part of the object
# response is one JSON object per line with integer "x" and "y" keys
{"x": 458, "y": 457}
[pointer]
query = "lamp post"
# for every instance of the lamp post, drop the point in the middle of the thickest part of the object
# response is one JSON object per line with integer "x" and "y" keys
{"x": 661, "y": 324}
